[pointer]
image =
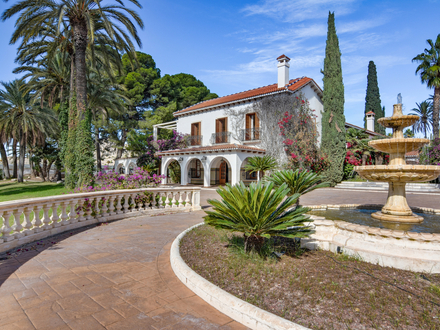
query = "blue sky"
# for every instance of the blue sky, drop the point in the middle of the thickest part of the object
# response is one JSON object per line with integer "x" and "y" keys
{"x": 232, "y": 45}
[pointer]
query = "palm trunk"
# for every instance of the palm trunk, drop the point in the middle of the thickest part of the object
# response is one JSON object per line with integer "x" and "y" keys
{"x": 5, "y": 161}
{"x": 48, "y": 169}
{"x": 44, "y": 170}
{"x": 14, "y": 158}
{"x": 123, "y": 139}
{"x": 435, "y": 112}
{"x": 22, "y": 158}
{"x": 72, "y": 114}
{"x": 98, "y": 149}
{"x": 80, "y": 42}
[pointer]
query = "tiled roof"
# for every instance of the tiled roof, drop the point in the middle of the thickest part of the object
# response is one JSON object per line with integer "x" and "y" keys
{"x": 282, "y": 56}
{"x": 370, "y": 112}
{"x": 293, "y": 85}
{"x": 413, "y": 153}
{"x": 220, "y": 147}
{"x": 361, "y": 128}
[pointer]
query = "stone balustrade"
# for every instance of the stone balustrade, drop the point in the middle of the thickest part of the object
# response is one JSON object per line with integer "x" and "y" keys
{"x": 28, "y": 220}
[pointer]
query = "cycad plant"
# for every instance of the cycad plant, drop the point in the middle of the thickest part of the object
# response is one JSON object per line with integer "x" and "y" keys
{"x": 260, "y": 164}
{"x": 298, "y": 182}
{"x": 258, "y": 211}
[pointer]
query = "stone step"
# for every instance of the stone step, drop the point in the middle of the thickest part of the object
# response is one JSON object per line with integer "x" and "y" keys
{"x": 413, "y": 187}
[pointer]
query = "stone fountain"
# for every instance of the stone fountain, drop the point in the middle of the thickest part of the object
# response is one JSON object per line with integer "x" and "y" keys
{"x": 398, "y": 173}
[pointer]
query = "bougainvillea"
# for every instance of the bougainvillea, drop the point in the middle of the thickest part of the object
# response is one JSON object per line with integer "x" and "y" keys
{"x": 430, "y": 155}
{"x": 298, "y": 129}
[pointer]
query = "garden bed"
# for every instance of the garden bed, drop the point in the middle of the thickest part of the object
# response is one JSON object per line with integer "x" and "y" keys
{"x": 316, "y": 289}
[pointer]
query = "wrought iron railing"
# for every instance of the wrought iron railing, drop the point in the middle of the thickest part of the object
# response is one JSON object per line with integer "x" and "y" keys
{"x": 250, "y": 134}
{"x": 195, "y": 140}
{"x": 221, "y": 137}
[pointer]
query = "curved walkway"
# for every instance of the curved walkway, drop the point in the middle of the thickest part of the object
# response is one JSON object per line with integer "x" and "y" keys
{"x": 118, "y": 275}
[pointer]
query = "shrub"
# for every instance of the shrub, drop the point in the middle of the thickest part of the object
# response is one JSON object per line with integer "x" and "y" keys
{"x": 258, "y": 211}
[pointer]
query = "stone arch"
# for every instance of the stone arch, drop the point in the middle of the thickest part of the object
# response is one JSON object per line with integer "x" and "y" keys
{"x": 120, "y": 169}
{"x": 246, "y": 177}
{"x": 166, "y": 168}
{"x": 131, "y": 167}
{"x": 214, "y": 167}
{"x": 194, "y": 174}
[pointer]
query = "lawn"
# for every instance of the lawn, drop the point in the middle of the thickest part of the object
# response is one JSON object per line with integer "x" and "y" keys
{"x": 11, "y": 190}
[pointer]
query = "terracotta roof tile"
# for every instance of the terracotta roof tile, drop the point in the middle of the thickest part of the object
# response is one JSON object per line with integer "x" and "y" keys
{"x": 412, "y": 153}
{"x": 293, "y": 85}
{"x": 219, "y": 147}
{"x": 283, "y": 56}
{"x": 370, "y": 112}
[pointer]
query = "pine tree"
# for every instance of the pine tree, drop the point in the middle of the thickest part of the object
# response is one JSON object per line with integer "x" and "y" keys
{"x": 372, "y": 99}
{"x": 333, "y": 118}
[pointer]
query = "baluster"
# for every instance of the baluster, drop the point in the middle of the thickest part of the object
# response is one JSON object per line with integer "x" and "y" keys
{"x": 138, "y": 201}
{"x": 6, "y": 229}
{"x": 119, "y": 205}
{"x": 55, "y": 218}
{"x": 64, "y": 216}
{"x": 167, "y": 200}
{"x": 173, "y": 201}
{"x": 162, "y": 200}
{"x": 72, "y": 213}
{"x": 46, "y": 218}
{"x": 89, "y": 208}
{"x": 111, "y": 205}
{"x": 181, "y": 199}
{"x": 17, "y": 227}
{"x": 36, "y": 221}
{"x": 97, "y": 209}
{"x": 195, "y": 199}
{"x": 153, "y": 201}
{"x": 132, "y": 205}
{"x": 126, "y": 204}
{"x": 27, "y": 223}
{"x": 187, "y": 200}
{"x": 104, "y": 209}
{"x": 80, "y": 210}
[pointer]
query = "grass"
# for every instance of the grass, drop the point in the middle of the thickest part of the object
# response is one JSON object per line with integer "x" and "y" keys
{"x": 10, "y": 191}
{"x": 317, "y": 289}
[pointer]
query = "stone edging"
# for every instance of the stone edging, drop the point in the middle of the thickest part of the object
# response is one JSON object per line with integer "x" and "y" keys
{"x": 237, "y": 309}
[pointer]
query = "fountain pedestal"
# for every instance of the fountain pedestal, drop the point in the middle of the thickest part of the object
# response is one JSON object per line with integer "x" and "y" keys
{"x": 398, "y": 173}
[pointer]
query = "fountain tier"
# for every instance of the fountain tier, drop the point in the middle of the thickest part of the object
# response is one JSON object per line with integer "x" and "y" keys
{"x": 398, "y": 173}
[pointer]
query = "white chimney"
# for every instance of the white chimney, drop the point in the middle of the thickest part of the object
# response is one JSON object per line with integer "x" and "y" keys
{"x": 283, "y": 70}
{"x": 370, "y": 120}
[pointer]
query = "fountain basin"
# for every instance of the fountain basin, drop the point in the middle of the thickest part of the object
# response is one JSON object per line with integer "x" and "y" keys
{"x": 403, "y": 145}
{"x": 399, "y": 173}
{"x": 398, "y": 121}
{"x": 414, "y": 247}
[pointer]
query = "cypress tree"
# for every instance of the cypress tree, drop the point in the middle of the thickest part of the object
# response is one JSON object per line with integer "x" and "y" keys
{"x": 333, "y": 118}
{"x": 372, "y": 99}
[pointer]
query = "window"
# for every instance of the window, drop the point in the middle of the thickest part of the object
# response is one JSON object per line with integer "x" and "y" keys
{"x": 252, "y": 131}
{"x": 221, "y": 130}
{"x": 196, "y": 136}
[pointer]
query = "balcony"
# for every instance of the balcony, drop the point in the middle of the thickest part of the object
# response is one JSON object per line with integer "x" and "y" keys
{"x": 220, "y": 137}
{"x": 195, "y": 140}
{"x": 250, "y": 134}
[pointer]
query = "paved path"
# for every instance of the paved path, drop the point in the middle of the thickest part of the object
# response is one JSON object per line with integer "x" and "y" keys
{"x": 118, "y": 275}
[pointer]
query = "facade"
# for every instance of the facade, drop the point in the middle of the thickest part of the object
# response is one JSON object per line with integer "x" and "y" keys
{"x": 225, "y": 131}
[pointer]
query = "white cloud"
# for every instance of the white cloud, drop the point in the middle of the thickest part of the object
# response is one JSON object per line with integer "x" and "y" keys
{"x": 299, "y": 10}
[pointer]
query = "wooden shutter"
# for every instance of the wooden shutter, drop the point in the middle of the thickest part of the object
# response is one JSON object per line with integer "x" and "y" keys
{"x": 257, "y": 127}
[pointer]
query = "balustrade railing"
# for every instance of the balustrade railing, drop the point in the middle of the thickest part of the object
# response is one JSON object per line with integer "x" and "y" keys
{"x": 25, "y": 221}
{"x": 250, "y": 134}
{"x": 195, "y": 140}
{"x": 220, "y": 137}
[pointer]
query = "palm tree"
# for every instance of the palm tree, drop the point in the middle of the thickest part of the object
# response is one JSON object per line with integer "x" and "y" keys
{"x": 260, "y": 164}
{"x": 81, "y": 16}
{"x": 258, "y": 211}
{"x": 22, "y": 120}
{"x": 429, "y": 69}
{"x": 298, "y": 182}
{"x": 103, "y": 96}
{"x": 424, "y": 111}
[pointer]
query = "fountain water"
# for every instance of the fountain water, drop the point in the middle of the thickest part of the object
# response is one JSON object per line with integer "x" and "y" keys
{"x": 398, "y": 173}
